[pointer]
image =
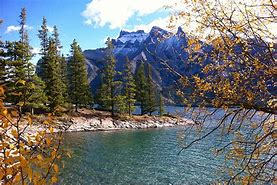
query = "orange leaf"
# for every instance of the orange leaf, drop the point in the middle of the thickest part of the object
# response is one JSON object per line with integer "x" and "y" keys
{"x": 5, "y": 112}
{"x": 48, "y": 141}
{"x": 17, "y": 177}
{"x": 23, "y": 162}
{"x": 1, "y": 91}
{"x": 56, "y": 168}
{"x": 14, "y": 133}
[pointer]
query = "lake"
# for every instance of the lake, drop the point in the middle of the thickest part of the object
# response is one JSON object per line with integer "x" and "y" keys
{"x": 139, "y": 157}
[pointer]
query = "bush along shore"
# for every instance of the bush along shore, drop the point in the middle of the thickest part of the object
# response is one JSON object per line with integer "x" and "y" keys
{"x": 89, "y": 120}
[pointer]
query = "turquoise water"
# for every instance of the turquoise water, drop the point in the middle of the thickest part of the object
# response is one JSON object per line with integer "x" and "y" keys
{"x": 139, "y": 157}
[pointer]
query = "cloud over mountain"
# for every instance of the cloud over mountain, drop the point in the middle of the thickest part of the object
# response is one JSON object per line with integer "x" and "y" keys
{"x": 116, "y": 14}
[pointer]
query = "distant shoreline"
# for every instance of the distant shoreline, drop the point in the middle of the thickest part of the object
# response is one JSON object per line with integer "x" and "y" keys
{"x": 88, "y": 120}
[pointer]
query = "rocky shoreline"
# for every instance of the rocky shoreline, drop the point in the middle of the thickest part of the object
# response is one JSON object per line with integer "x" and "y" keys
{"x": 80, "y": 124}
{"x": 102, "y": 121}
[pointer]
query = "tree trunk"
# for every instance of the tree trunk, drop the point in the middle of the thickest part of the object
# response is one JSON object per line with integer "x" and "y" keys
{"x": 129, "y": 106}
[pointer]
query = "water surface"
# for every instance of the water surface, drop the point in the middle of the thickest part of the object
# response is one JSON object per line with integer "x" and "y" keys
{"x": 139, "y": 157}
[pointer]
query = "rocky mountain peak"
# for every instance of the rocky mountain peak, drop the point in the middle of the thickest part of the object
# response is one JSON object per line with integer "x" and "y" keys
{"x": 132, "y": 37}
{"x": 152, "y": 48}
{"x": 180, "y": 32}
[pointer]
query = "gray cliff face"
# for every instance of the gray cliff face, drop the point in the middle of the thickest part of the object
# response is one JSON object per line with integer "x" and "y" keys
{"x": 155, "y": 49}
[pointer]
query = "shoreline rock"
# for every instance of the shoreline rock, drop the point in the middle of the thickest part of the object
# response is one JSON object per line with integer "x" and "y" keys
{"x": 100, "y": 121}
{"x": 79, "y": 124}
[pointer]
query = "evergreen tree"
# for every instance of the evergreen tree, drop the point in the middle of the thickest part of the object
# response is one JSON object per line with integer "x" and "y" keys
{"x": 35, "y": 96}
{"x": 141, "y": 86}
{"x": 129, "y": 88}
{"x": 44, "y": 41}
{"x": 79, "y": 90}
{"x": 8, "y": 73}
{"x": 3, "y": 69}
{"x": 19, "y": 55}
{"x": 120, "y": 103}
{"x": 3, "y": 62}
{"x": 23, "y": 84}
{"x": 22, "y": 50}
{"x": 62, "y": 62}
{"x": 109, "y": 89}
{"x": 64, "y": 75}
{"x": 55, "y": 35}
{"x": 161, "y": 105}
{"x": 54, "y": 86}
{"x": 151, "y": 105}
{"x": 43, "y": 36}
{"x": 99, "y": 95}
{"x": 50, "y": 67}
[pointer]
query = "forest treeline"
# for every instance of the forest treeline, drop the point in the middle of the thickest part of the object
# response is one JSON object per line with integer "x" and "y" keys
{"x": 60, "y": 83}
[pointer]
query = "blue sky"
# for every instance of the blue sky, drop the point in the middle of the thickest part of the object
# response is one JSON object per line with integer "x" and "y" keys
{"x": 88, "y": 21}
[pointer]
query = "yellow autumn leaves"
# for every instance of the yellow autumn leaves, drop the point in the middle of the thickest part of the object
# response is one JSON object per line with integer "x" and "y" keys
{"x": 238, "y": 73}
{"x": 27, "y": 157}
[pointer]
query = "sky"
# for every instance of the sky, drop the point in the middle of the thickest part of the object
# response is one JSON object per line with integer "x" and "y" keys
{"x": 90, "y": 22}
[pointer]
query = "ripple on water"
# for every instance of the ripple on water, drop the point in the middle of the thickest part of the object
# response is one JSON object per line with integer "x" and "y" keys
{"x": 137, "y": 157}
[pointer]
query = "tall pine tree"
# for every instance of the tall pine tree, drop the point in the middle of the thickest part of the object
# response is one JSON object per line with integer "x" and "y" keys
{"x": 43, "y": 36}
{"x": 44, "y": 41}
{"x": 22, "y": 81}
{"x": 161, "y": 105}
{"x": 62, "y": 62}
{"x": 19, "y": 54}
{"x": 141, "y": 88}
{"x": 56, "y": 35}
{"x": 8, "y": 75}
{"x": 54, "y": 86}
{"x": 50, "y": 68}
{"x": 35, "y": 95}
{"x": 109, "y": 92}
{"x": 3, "y": 66}
{"x": 3, "y": 62}
{"x": 129, "y": 88}
{"x": 22, "y": 50}
{"x": 79, "y": 90}
{"x": 151, "y": 105}
{"x": 64, "y": 75}
{"x": 145, "y": 90}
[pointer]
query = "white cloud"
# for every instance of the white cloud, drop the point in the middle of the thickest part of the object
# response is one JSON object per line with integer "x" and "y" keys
{"x": 13, "y": 28}
{"x": 160, "y": 22}
{"x": 50, "y": 29}
{"x": 36, "y": 50}
{"x": 164, "y": 23}
{"x": 115, "y": 14}
{"x": 88, "y": 22}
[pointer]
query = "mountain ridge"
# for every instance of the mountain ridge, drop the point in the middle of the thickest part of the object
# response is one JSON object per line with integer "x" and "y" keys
{"x": 151, "y": 48}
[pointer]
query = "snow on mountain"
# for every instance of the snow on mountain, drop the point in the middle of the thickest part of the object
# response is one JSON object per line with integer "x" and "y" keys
{"x": 132, "y": 37}
{"x": 154, "y": 49}
{"x": 149, "y": 48}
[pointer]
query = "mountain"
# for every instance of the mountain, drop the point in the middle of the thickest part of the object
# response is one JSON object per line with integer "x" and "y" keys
{"x": 164, "y": 51}
{"x": 155, "y": 49}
